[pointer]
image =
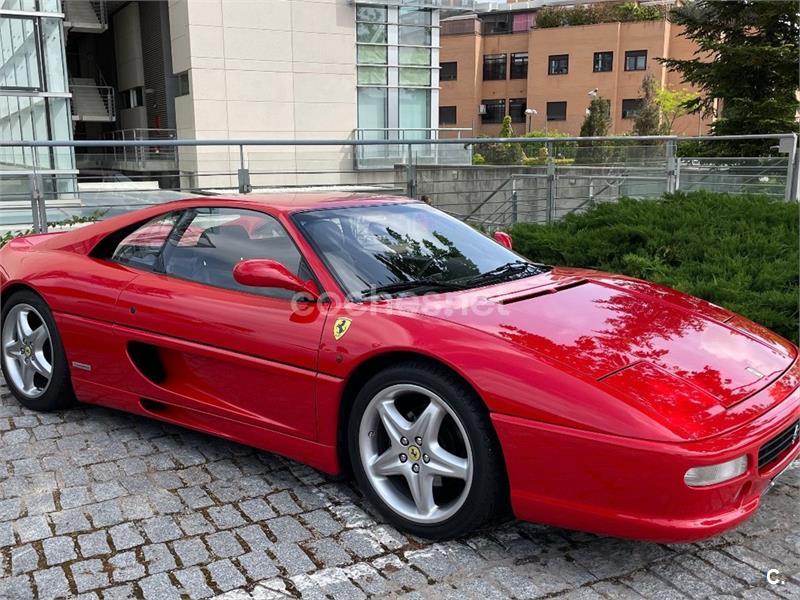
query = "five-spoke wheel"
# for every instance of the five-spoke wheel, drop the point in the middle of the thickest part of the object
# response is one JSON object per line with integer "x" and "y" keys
{"x": 416, "y": 453}
{"x": 33, "y": 359}
{"x": 423, "y": 449}
{"x": 27, "y": 350}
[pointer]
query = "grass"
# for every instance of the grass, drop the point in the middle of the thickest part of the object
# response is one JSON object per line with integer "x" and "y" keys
{"x": 740, "y": 252}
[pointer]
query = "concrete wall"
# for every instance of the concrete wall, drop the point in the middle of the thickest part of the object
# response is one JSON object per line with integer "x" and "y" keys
{"x": 276, "y": 69}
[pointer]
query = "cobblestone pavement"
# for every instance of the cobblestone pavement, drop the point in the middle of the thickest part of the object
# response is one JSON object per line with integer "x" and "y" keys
{"x": 99, "y": 504}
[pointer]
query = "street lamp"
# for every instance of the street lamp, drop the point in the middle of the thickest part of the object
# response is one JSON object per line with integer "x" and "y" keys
{"x": 530, "y": 112}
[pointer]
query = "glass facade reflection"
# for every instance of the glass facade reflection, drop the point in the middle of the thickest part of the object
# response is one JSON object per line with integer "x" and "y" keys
{"x": 398, "y": 85}
{"x": 34, "y": 95}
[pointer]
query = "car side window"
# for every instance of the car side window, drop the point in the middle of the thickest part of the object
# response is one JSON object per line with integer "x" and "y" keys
{"x": 141, "y": 247}
{"x": 208, "y": 242}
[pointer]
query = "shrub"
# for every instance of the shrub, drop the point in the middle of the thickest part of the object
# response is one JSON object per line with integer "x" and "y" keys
{"x": 740, "y": 252}
{"x": 558, "y": 16}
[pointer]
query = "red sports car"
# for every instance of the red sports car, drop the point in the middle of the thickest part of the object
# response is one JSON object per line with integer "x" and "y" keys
{"x": 453, "y": 377}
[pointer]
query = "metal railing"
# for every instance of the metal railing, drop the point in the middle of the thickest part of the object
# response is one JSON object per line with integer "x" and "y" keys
{"x": 383, "y": 156}
{"x": 84, "y": 107}
{"x": 547, "y": 178}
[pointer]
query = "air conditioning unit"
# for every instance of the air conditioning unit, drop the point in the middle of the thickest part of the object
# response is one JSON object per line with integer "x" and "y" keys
{"x": 482, "y": 109}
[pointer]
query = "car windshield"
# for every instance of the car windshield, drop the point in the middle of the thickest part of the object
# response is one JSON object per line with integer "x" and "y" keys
{"x": 406, "y": 249}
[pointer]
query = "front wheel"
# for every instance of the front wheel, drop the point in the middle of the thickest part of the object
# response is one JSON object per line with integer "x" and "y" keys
{"x": 424, "y": 452}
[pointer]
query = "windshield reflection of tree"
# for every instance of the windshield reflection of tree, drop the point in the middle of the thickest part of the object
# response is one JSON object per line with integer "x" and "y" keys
{"x": 408, "y": 258}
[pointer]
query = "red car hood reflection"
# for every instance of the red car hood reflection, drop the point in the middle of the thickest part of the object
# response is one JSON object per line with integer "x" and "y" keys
{"x": 612, "y": 329}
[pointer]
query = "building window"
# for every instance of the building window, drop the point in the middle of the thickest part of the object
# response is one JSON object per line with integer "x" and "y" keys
{"x": 493, "y": 111}
{"x": 132, "y": 98}
{"x": 556, "y": 111}
{"x": 603, "y": 62}
{"x": 494, "y": 67}
{"x": 516, "y": 109}
{"x": 636, "y": 60}
{"x": 519, "y": 65}
{"x": 449, "y": 71}
{"x": 494, "y": 24}
{"x": 19, "y": 52}
{"x": 630, "y": 108}
{"x": 447, "y": 115}
{"x": 558, "y": 64}
{"x": 182, "y": 84}
{"x": 395, "y": 74}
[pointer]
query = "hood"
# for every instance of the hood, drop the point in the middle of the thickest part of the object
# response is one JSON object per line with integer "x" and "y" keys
{"x": 649, "y": 343}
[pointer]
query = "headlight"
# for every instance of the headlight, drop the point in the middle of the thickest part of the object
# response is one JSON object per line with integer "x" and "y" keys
{"x": 702, "y": 476}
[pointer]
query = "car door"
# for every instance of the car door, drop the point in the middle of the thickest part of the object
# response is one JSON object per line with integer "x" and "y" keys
{"x": 208, "y": 346}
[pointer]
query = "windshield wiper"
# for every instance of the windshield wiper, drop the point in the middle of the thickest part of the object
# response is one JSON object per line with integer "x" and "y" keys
{"x": 402, "y": 286}
{"x": 504, "y": 272}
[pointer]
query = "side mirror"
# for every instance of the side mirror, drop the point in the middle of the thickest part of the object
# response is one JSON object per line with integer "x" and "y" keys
{"x": 265, "y": 273}
{"x": 504, "y": 239}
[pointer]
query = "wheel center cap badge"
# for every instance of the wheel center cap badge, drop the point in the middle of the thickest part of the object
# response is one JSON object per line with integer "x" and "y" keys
{"x": 413, "y": 453}
{"x": 28, "y": 351}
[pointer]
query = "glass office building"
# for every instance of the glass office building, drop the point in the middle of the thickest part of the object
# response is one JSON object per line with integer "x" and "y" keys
{"x": 397, "y": 66}
{"x": 34, "y": 90}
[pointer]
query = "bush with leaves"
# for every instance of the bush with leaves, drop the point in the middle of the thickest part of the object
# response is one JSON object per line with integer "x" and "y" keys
{"x": 740, "y": 252}
{"x": 557, "y": 16}
{"x": 9, "y": 235}
{"x": 502, "y": 153}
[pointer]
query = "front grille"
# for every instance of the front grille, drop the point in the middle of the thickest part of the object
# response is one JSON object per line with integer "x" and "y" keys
{"x": 778, "y": 445}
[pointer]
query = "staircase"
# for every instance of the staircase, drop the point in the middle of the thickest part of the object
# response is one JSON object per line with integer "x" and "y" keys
{"x": 84, "y": 16}
{"x": 92, "y": 102}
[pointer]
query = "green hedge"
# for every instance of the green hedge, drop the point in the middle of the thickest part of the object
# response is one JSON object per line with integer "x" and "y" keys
{"x": 559, "y": 16}
{"x": 740, "y": 252}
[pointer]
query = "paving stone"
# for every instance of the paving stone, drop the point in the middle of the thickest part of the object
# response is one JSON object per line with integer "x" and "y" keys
{"x": 193, "y": 583}
{"x": 361, "y": 543}
{"x": 195, "y": 523}
{"x": 126, "y": 567}
{"x": 257, "y": 565}
{"x": 88, "y": 575}
{"x": 191, "y": 552}
{"x": 225, "y": 575}
{"x": 257, "y": 509}
{"x": 226, "y": 517}
{"x": 51, "y": 583}
{"x": 288, "y": 529}
{"x": 328, "y": 552}
{"x": 58, "y": 550}
{"x": 32, "y": 528}
{"x": 162, "y": 529}
{"x": 158, "y": 558}
{"x": 195, "y": 497}
{"x": 94, "y": 544}
{"x": 70, "y": 521}
{"x": 99, "y": 504}
{"x": 159, "y": 587}
{"x": 125, "y": 536}
{"x": 292, "y": 558}
{"x": 224, "y": 544}
{"x": 24, "y": 559}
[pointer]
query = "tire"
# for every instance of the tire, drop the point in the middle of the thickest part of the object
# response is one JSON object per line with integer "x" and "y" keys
{"x": 41, "y": 346}
{"x": 433, "y": 481}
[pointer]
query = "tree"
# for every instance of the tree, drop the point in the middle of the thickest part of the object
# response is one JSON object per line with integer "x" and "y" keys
{"x": 502, "y": 153}
{"x": 648, "y": 117}
{"x": 598, "y": 119}
{"x": 747, "y": 58}
{"x": 596, "y": 124}
{"x": 674, "y": 104}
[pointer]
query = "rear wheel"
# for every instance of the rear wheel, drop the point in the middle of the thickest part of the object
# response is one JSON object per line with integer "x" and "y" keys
{"x": 424, "y": 452}
{"x": 33, "y": 360}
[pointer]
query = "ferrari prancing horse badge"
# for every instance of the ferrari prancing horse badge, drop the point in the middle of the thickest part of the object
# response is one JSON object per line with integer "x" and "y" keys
{"x": 340, "y": 327}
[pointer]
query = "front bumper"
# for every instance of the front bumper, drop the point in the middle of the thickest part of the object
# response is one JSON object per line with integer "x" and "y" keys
{"x": 634, "y": 488}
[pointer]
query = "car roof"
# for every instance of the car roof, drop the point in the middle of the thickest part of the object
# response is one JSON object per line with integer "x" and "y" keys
{"x": 295, "y": 202}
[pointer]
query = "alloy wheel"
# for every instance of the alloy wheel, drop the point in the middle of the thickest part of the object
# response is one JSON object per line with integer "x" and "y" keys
{"x": 27, "y": 350}
{"x": 416, "y": 453}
